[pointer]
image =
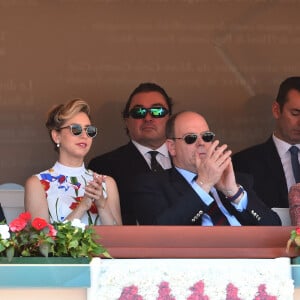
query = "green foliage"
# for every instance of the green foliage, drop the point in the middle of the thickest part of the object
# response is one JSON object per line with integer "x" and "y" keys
{"x": 76, "y": 242}
{"x": 38, "y": 238}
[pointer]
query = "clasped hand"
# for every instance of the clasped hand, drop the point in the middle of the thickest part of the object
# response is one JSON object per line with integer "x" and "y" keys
{"x": 215, "y": 169}
{"x": 94, "y": 192}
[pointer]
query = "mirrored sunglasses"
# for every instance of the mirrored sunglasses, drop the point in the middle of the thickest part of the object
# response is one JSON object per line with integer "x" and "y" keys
{"x": 191, "y": 138}
{"x": 76, "y": 129}
{"x": 141, "y": 112}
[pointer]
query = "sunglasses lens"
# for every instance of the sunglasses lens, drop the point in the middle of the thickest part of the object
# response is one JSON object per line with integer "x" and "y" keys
{"x": 91, "y": 131}
{"x": 190, "y": 138}
{"x": 208, "y": 136}
{"x": 76, "y": 129}
{"x": 138, "y": 112}
{"x": 158, "y": 112}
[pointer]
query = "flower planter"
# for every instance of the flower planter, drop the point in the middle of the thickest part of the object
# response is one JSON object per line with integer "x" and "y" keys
{"x": 58, "y": 272}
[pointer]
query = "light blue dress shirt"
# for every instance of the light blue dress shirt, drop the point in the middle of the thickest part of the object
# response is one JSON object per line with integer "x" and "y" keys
{"x": 207, "y": 199}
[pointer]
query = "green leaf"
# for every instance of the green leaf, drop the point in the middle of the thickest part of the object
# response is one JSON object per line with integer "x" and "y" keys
{"x": 44, "y": 248}
{"x": 10, "y": 253}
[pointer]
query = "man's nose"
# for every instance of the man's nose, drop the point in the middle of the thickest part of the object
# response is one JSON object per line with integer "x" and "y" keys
{"x": 148, "y": 116}
{"x": 199, "y": 140}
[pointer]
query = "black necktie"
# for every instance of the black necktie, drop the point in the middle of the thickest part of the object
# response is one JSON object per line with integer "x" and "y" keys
{"x": 155, "y": 166}
{"x": 295, "y": 163}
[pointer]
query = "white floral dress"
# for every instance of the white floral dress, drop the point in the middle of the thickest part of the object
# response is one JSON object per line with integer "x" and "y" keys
{"x": 64, "y": 187}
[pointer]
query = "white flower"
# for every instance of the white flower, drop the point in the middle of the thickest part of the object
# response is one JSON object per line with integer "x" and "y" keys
{"x": 4, "y": 231}
{"x": 77, "y": 223}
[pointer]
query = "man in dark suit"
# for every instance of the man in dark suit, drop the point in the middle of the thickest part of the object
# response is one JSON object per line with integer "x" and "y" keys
{"x": 145, "y": 115}
{"x": 201, "y": 187}
{"x": 269, "y": 163}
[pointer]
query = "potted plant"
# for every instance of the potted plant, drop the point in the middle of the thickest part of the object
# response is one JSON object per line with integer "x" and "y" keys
{"x": 34, "y": 253}
{"x": 37, "y": 238}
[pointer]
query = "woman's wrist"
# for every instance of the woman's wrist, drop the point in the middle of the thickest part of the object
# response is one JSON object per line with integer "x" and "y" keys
{"x": 101, "y": 204}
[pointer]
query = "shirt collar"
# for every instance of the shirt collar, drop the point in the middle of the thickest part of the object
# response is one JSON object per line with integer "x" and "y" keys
{"x": 163, "y": 150}
{"x": 188, "y": 175}
{"x": 282, "y": 146}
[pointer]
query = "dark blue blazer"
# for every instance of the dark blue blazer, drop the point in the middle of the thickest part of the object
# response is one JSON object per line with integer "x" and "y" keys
{"x": 263, "y": 163}
{"x": 168, "y": 199}
{"x": 123, "y": 164}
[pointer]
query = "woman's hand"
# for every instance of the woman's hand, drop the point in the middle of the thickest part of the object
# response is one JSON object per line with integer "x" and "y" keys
{"x": 94, "y": 192}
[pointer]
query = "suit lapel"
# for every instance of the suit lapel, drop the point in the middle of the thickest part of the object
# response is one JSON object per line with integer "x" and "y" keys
{"x": 134, "y": 155}
{"x": 178, "y": 181}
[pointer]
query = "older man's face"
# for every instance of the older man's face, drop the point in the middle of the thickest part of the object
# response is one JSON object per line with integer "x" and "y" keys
{"x": 183, "y": 154}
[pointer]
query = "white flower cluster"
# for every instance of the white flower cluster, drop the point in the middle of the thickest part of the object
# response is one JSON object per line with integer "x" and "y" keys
{"x": 182, "y": 274}
{"x": 4, "y": 232}
{"x": 78, "y": 224}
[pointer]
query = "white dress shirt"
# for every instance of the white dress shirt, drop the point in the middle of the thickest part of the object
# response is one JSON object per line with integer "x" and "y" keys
{"x": 162, "y": 157}
{"x": 285, "y": 157}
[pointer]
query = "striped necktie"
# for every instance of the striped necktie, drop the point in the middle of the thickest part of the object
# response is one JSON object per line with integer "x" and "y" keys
{"x": 216, "y": 215}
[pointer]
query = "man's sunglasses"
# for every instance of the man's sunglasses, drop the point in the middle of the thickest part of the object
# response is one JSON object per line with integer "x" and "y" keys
{"x": 141, "y": 112}
{"x": 76, "y": 129}
{"x": 191, "y": 138}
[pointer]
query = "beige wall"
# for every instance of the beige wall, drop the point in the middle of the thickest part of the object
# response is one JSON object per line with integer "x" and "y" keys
{"x": 224, "y": 58}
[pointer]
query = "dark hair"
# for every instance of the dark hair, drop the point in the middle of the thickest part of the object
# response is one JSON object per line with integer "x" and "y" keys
{"x": 291, "y": 83}
{"x": 144, "y": 88}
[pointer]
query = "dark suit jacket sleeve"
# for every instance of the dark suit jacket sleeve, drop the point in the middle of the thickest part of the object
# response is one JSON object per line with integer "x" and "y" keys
{"x": 263, "y": 163}
{"x": 157, "y": 202}
{"x": 162, "y": 200}
{"x": 257, "y": 212}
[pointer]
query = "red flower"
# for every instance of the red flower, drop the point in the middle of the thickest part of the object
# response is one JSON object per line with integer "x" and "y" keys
{"x": 45, "y": 184}
{"x": 39, "y": 223}
{"x": 26, "y": 216}
{"x": 298, "y": 230}
{"x": 52, "y": 230}
{"x": 17, "y": 225}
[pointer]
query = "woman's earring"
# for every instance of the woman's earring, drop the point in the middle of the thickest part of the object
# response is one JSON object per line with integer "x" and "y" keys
{"x": 57, "y": 145}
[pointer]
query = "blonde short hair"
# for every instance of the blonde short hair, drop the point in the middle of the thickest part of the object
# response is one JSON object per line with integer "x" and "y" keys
{"x": 61, "y": 113}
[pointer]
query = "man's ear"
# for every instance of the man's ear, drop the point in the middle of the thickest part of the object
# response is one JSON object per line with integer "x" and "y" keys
{"x": 171, "y": 146}
{"x": 276, "y": 110}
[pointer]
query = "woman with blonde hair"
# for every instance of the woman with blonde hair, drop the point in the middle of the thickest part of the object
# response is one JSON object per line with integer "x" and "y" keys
{"x": 68, "y": 190}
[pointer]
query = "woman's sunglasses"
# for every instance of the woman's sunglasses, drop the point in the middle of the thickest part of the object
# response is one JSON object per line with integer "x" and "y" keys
{"x": 141, "y": 112}
{"x": 76, "y": 129}
{"x": 191, "y": 138}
